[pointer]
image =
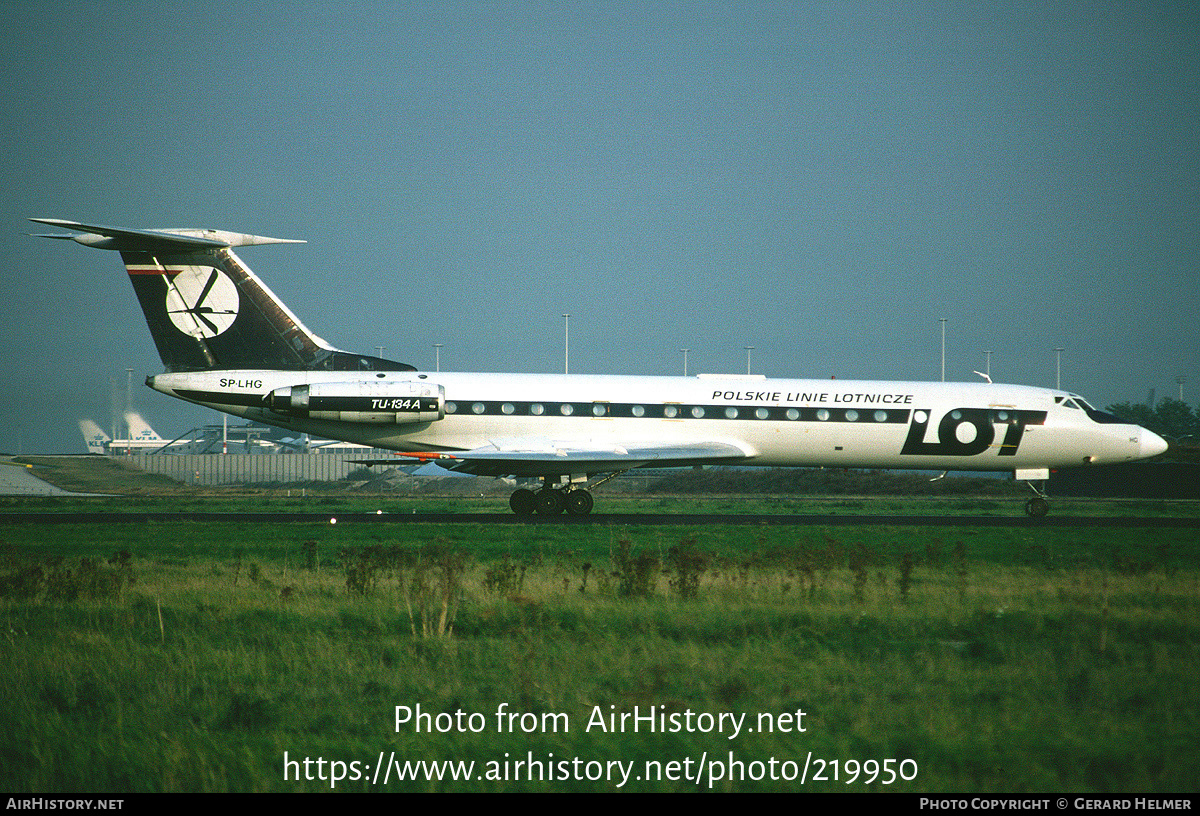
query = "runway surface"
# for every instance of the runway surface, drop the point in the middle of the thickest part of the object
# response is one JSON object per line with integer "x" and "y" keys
{"x": 602, "y": 519}
{"x": 18, "y": 480}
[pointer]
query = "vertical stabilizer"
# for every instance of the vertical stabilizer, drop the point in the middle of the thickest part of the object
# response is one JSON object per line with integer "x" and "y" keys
{"x": 206, "y": 309}
{"x": 95, "y": 439}
{"x": 139, "y": 429}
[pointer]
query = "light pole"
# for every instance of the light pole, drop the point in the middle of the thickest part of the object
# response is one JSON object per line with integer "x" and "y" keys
{"x": 437, "y": 356}
{"x": 685, "y": 353}
{"x": 942, "y": 320}
{"x": 1058, "y": 368}
{"x": 566, "y": 344}
{"x": 379, "y": 351}
{"x": 987, "y": 365}
{"x": 748, "y": 350}
{"x": 128, "y": 399}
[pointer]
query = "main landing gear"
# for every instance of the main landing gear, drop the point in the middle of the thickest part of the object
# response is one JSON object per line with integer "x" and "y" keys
{"x": 573, "y": 497}
{"x": 551, "y": 501}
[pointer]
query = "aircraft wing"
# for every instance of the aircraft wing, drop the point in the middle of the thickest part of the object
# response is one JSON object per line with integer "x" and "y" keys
{"x": 558, "y": 458}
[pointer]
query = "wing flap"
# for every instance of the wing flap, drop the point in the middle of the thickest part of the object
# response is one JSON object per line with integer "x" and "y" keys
{"x": 563, "y": 459}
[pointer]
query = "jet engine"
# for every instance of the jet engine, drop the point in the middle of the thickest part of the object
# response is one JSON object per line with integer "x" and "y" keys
{"x": 361, "y": 401}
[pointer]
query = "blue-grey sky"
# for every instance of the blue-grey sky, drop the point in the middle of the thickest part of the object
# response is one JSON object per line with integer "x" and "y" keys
{"x": 822, "y": 181}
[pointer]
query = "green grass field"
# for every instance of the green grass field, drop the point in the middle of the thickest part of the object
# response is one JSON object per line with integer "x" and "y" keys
{"x": 194, "y": 657}
{"x": 277, "y": 501}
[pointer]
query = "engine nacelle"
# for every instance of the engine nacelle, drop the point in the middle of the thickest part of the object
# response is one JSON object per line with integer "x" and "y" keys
{"x": 362, "y": 401}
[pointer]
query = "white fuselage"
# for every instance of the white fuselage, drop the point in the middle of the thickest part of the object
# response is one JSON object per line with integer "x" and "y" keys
{"x": 776, "y": 422}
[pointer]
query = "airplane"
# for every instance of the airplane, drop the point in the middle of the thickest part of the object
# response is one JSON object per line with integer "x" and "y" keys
{"x": 228, "y": 343}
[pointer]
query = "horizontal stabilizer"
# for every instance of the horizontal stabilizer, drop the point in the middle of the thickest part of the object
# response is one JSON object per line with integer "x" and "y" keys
{"x": 124, "y": 239}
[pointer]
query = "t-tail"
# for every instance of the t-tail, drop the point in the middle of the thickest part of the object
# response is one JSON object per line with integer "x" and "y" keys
{"x": 206, "y": 310}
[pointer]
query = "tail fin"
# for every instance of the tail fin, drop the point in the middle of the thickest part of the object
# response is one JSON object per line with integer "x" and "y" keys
{"x": 140, "y": 429}
{"x": 204, "y": 307}
{"x": 95, "y": 438}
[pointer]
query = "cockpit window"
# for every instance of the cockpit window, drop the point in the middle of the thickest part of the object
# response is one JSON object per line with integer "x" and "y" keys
{"x": 1078, "y": 403}
{"x": 1105, "y": 418}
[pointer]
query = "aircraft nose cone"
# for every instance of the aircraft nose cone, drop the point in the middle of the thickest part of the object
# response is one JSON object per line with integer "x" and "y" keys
{"x": 1150, "y": 444}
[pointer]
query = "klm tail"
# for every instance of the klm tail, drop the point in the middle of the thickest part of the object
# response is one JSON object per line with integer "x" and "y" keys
{"x": 205, "y": 308}
{"x": 95, "y": 439}
{"x": 139, "y": 428}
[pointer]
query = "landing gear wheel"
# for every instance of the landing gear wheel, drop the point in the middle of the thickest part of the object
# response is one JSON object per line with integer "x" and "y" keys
{"x": 523, "y": 502}
{"x": 578, "y": 502}
{"x": 548, "y": 502}
{"x": 1037, "y": 507}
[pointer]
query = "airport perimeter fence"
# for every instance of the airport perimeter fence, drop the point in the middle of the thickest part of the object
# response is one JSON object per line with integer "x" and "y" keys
{"x": 241, "y": 468}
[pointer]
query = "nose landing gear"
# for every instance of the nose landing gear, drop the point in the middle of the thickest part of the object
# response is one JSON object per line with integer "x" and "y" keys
{"x": 1038, "y": 506}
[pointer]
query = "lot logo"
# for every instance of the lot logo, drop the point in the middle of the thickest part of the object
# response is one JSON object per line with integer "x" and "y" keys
{"x": 969, "y": 431}
{"x": 202, "y": 301}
